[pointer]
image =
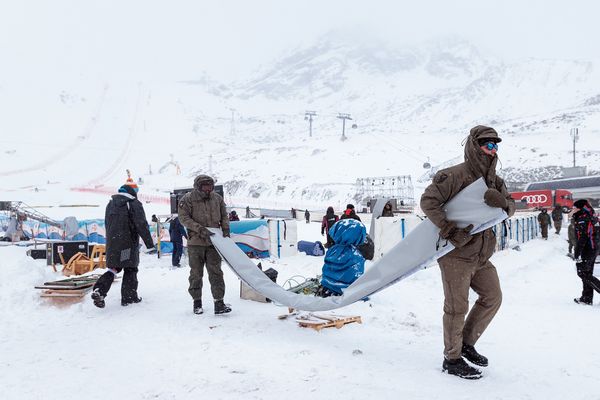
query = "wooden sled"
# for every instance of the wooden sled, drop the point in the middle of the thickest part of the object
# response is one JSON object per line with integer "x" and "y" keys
{"x": 80, "y": 264}
{"x": 320, "y": 321}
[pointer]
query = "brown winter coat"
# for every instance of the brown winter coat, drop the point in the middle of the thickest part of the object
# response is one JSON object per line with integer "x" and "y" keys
{"x": 448, "y": 182}
{"x": 197, "y": 210}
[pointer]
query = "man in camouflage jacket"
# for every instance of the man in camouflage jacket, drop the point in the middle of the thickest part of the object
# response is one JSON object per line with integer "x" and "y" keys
{"x": 200, "y": 209}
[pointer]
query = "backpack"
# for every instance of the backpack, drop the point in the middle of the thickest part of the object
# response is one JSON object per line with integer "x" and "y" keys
{"x": 596, "y": 233}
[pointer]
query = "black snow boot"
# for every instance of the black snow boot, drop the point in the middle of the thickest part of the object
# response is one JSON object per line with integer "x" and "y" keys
{"x": 135, "y": 300}
{"x": 473, "y": 356}
{"x": 98, "y": 298}
{"x": 198, "y": 307}
{"x": 221, "y": 307}
{"x": 460, "y": 368}
{"x": 583, "y": 301}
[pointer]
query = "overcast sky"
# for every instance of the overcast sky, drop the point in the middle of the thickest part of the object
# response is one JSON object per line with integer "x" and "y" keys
{"x": 175, "y": 40}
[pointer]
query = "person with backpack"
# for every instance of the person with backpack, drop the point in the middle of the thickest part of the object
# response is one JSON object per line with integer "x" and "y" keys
{"x": 307, "y": 216}
{"x": 587, "y": 234}
{"x": 557, "y": 218}
{"x": 328, "y": 220}
{"x": 125, "y": 222}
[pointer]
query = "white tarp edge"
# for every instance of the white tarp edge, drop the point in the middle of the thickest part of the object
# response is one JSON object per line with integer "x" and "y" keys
{"x": 418, "y": 249}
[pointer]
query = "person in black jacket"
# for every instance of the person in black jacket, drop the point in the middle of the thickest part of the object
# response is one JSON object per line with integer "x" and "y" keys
{"x": 177, "y": 233}
{"x": 350, "y": 213}
{"x": 586, "y": 249}
{"x": 327, "y": 222}
{"x": 125, "y": 222}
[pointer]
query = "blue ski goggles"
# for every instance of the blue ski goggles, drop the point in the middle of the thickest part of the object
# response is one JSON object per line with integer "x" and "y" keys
{"x": 489, "y": 145}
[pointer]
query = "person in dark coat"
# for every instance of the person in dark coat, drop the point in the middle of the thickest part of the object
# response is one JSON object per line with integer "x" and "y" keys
{"x": 387, "y": 210}
{"x": 572, "y": 237}
{"x": 468, "y": 265}
{"x": 307, "y": 216}
{"x": 233, "y": 216}
{"x": 350, "y": 213}
{"x": 328, "y": 220}
{"x": 200, "y": 209}
{"x": 544, "y": 221}
{"x": 247, "y": 211}
{"x": 557, "y": 218}
{"x": 586, "y": 249}
{"x": 177, "y": 233}
{"x": 125, "y": 222}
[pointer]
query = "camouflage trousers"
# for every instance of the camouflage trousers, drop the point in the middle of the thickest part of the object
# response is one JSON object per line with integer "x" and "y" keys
{"x": 198, "y": 257}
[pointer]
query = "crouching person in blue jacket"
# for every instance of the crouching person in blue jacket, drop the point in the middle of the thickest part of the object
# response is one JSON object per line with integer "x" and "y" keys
{"x": 344, "y": 261}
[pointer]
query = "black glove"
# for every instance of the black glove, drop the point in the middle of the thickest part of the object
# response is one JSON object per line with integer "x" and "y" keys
{"x": 226, "y": 233}
{"x": 455, "y": 235}
{"x": 494, "y": 198}
{"x": 205, "y": 233}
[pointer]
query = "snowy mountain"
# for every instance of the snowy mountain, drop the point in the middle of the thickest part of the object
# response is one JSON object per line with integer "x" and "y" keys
{"x": 410, "y": 105}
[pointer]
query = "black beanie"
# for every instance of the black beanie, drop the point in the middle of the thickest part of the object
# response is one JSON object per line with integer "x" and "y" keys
{"x": 581, "y": 203}
{"x": 350, "y": 206}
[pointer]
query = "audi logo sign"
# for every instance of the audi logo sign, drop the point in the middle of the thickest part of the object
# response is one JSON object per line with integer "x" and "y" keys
{"x": 535, "y": 198}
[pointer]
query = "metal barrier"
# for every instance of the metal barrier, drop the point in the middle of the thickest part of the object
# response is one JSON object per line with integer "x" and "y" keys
{"x": 520, "y": 229}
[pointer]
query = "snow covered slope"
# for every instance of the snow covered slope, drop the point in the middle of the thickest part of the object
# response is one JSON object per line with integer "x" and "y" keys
{"x": 410, "y": 105}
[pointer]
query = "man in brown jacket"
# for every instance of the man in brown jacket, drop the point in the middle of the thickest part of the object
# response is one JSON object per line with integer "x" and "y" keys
{"x": 200, "y": 209}
{"x": 468, "y": 265}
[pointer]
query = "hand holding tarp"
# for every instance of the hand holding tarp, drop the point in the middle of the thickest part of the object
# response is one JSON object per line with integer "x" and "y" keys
{"x": 494, "y": 198}
{"x": 455, "y": 235}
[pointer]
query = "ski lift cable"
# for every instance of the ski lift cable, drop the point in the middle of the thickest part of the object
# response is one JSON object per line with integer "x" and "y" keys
{"x": 401, "y": 143}
{"x": 398, "y": 147}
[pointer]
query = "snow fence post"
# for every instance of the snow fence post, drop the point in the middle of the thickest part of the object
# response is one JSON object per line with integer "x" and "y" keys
{"x": 403, "y": 227}
{"x": 278, "y": 241}
{"x": 517, "y": 230}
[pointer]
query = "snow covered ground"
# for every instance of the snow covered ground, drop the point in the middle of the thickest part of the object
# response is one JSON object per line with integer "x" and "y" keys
{"x": 541, "y": 345}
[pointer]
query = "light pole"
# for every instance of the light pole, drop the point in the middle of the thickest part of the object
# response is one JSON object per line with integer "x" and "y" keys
{"x": 575, "y": 136}
{"x": 308, "y": 115}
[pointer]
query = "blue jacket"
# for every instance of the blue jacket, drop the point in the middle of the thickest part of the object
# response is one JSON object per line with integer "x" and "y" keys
{"x": 177, "y": 231}
{"x": 343, "y": 262}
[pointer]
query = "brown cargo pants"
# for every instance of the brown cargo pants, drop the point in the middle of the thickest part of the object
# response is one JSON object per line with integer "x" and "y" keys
{"x": 198, "y": 256}
{"x": 557, "y": 226}
{"x": 457, "y": 277}
{"x": 544, "y": 229}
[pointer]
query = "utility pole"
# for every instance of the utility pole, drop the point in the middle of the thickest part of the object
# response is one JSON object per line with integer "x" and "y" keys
{"x": 344, "y": 117}
{"x": 232, "y": 130}
{"x": 308, "y": 115}
{"x": 575, "y": 136}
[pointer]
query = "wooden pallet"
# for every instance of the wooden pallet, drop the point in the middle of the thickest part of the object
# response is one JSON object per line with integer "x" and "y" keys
{"x": 73, "y": 288}
{"x": 320, "y": 321}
